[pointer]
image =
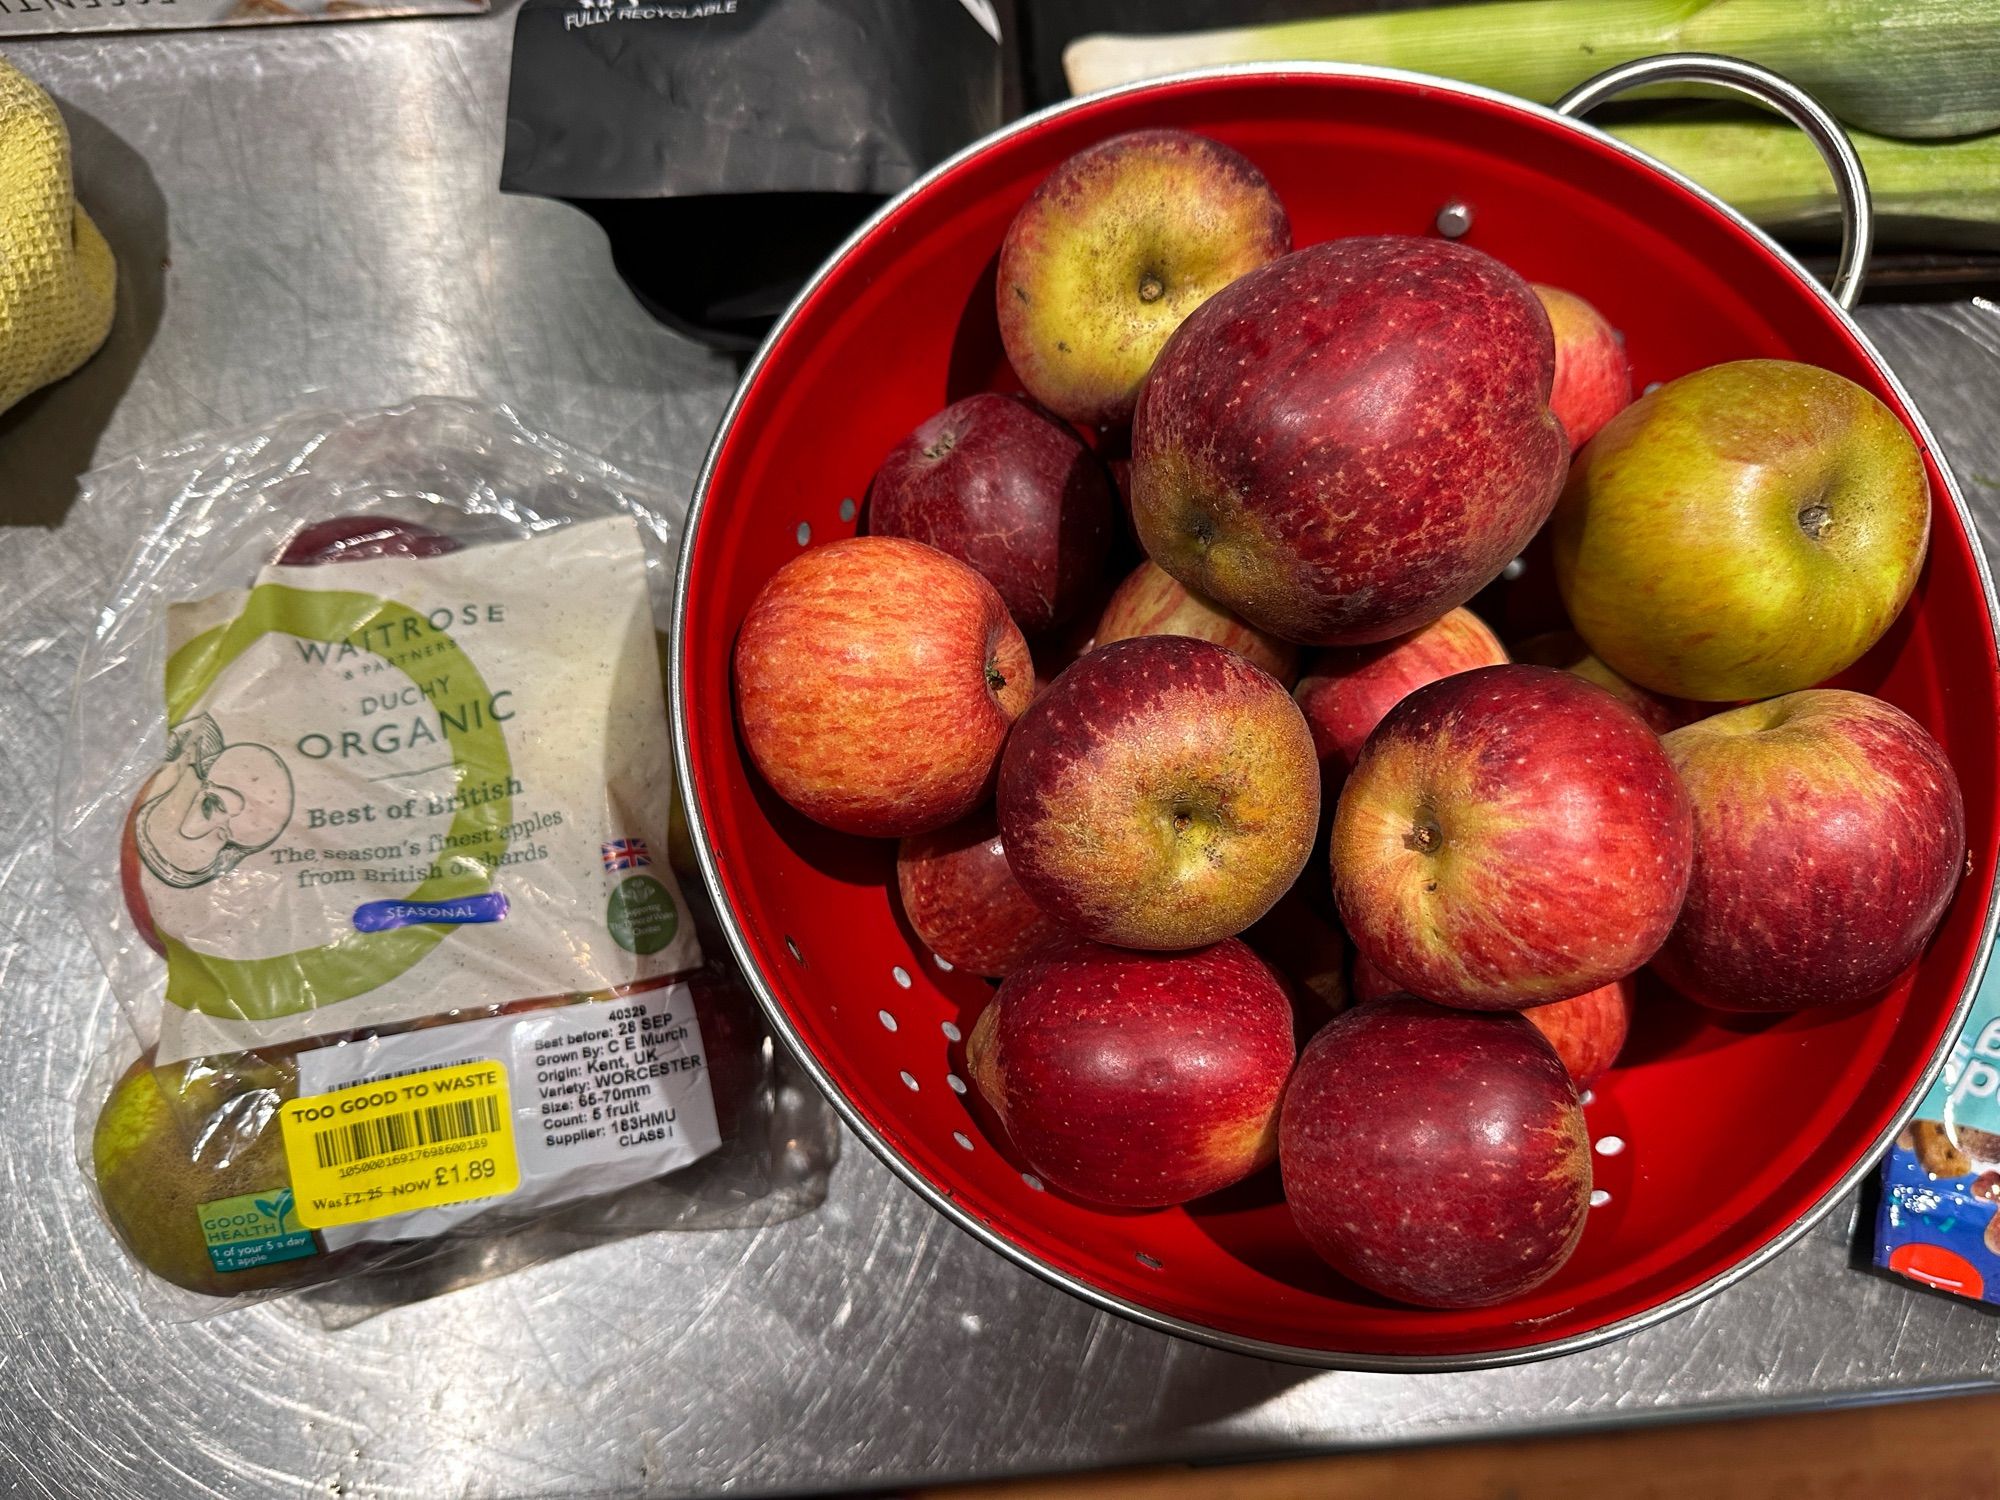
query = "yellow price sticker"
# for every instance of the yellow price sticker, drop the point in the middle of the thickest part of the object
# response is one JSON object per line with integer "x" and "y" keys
{"x": 421, "y": 1140}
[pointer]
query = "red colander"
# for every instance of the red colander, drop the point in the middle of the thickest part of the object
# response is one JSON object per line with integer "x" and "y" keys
{"x": 1718, "y": 1141}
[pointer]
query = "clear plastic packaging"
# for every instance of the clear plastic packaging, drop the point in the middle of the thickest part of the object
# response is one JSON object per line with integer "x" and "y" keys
{"x": 366, "y": 803}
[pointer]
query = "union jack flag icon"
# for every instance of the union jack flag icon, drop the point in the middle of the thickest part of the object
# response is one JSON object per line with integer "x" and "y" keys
{"x": 626, "y": 854}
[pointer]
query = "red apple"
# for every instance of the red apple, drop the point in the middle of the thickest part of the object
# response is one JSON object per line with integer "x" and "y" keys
{"x": 1565, "y": 649}
{"x": 1117, "y": 245}
{"x": 1347, "y": 443}
{"x": 1829, "y": 840}
{"x": 1137, "y": 1080}
{"x": 1588, "y": 1031}
{"x": 1435, "y": 1156}
{"x": 964, "y": 902}
{"x": 1347, "y": 691}
{"x": 1153, "y": 602}
{"x": 1593, "y": 374}
{"x": 875, "y": 682}
{"x": 131, "y": 879}
{"x": 359, "y": 538}
{"x": 1309, "y": 951}
{"x": 994, "y": 483}
{"x": 1510, "y": 836}
{"x": 1161, "y": 794}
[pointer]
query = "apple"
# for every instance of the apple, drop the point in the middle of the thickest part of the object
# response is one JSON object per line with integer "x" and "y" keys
{"x": 1588, "y": 1031}
{"x": 1510, "y": 836}
{"x": 1153, "y": 602}
{"x": 1565, "y": 649}
{"x": 1347, "y": 691}
{"x": 1309, "y": 951}
{"x": 360, "y": 538}
{"x": 875, "y": 682}
{"x": 1161, "y": 794}
{"x": 1435, "y": 1156}
{"x": 994, "y": 483}
{"x": 1345, "y": 444}
{"x": 131, "y": 879}
{"x": 1593, "y": 375}
{"x": 1115, "y": 248}
{"x": 1137, "y": 1080}
{"x": 962, "y": 898}
{"x": 1744, "y": 531}
{"x": 1829, "y": 839}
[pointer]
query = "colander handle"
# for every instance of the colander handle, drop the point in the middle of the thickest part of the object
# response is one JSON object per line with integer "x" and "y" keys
{"x": 1850, "y": 180}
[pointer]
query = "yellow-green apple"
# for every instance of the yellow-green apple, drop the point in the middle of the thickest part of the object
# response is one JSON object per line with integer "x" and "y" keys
{"x": 1349, "y": 689}
{"x": 1593, "y": 375}
{"x": 1153, "y": 602}
{"x": 1744, "y": 531}
{"x": 1162, "y": 793}
{"x": 1137, "y": 1080}
{"x": 359, "y": 538}
{"x": 994, "y": 483}
{"x": 1510, "y": 836}
{"x": 1588, "y": 1031}
{"x": 1829, "y": 839}
{"x": 964, "y": 902}
{"x": 875, "y": 682}
{"x": 1345, "y": 444}
{"x": 1115, "y": 248}
{"x": 1565, "y": 649}
{"x": 1435, "y": 1156}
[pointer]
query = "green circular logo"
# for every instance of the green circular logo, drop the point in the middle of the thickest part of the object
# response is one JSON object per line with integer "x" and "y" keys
{"x": 641, "y": 915}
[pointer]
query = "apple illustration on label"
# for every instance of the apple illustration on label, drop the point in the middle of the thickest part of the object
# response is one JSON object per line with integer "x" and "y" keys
{"x": 875, "y": 682}
{"x": 1115, "y": 248}
{"x": 1744, "y": 531}
{"x": 1347, "y": 443}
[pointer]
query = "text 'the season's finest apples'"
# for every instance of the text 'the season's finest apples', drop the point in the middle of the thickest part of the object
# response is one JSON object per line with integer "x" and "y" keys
{"x": 1593, "y": 375}
{"x": 1744, "y": 531}
{"x": 994, "y": 483}
{"x": 1435, "y": 1156}
{"x": 964, "y": 902}
{"x": 1829, "y": 839}
{"x": 1510, "y": 836}
{"x": 1162, "y": 793}
{"x": 875, "y": 682}
{"x": 1347, "y": 443}
{"x": 1115, "y": 248}
{"x": 1348, "y": 690}
{"x": 1154, "y": 602}
{"x": 1137, "y": 1080}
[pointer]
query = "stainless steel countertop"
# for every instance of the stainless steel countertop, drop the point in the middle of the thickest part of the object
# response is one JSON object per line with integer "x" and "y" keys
{"x": 311, "y": 211}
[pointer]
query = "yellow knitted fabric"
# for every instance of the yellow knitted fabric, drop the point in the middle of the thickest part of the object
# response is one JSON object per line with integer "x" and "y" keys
{"x": 57, "y": 278}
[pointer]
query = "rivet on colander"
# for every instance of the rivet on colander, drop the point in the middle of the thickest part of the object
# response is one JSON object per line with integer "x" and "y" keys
{"x": 1598, "y": 1198}
{"x": 804, "y": 533}
{"x": 847, "y": 509}
{"x": 1454, "y": 219}
{"x": 901, "y": 975}
{"x": 888, "y": 1021}
{"x": 1611, "y": 1145}
{"x": 951, "y": 1032}
{"x": 909, "y": 1083}
{"x": 957, "y": 1083}
{"x": 962, "y": 1138}
{"x": 1151, "y": 1263}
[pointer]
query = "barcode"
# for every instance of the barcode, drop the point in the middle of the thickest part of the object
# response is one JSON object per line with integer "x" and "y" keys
{"x": 419, "y": 1127}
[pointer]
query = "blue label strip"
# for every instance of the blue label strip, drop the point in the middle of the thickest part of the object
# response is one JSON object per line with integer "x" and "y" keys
{"x": 379, "y": 916}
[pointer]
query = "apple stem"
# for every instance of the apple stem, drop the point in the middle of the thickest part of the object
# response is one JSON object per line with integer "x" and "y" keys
{"x": 995, "y": 678}
{"x": 1151, "y": 288}
{"x": 1814, "y": 519}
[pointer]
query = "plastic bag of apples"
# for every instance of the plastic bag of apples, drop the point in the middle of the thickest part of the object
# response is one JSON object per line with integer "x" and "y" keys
{"x": 1109, "y": 793}
{"x": 367, "y": 804}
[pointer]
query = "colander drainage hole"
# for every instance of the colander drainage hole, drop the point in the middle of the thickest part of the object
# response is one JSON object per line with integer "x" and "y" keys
{"x": 1589, "y": 1097}
{"x": 804, "y": 533}
{"x": 792, "y": 947}
{"x": 941, "y": 961}
{"x": 847, "y": 509}
{"x": 1151, "y": 1263}
{"x": 962, "y": 1138}
{"x": 1598, "y": 1198}
{"x": 1611, "y": 1145}
{"x": 888, "y": 1021}
{"x": 957, "y": 1083}
{"x": 1033, "y": 1182}
{"x": 952, "y": 1033}
{"x": 909, "y": 1083}
{"x": 901, "y": 975}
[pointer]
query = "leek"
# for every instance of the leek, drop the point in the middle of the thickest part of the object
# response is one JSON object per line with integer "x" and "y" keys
{"x": 1909, "y": 68}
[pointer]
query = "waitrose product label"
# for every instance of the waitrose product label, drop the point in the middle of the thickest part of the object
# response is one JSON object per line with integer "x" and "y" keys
{"x": 402, "y": 787}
